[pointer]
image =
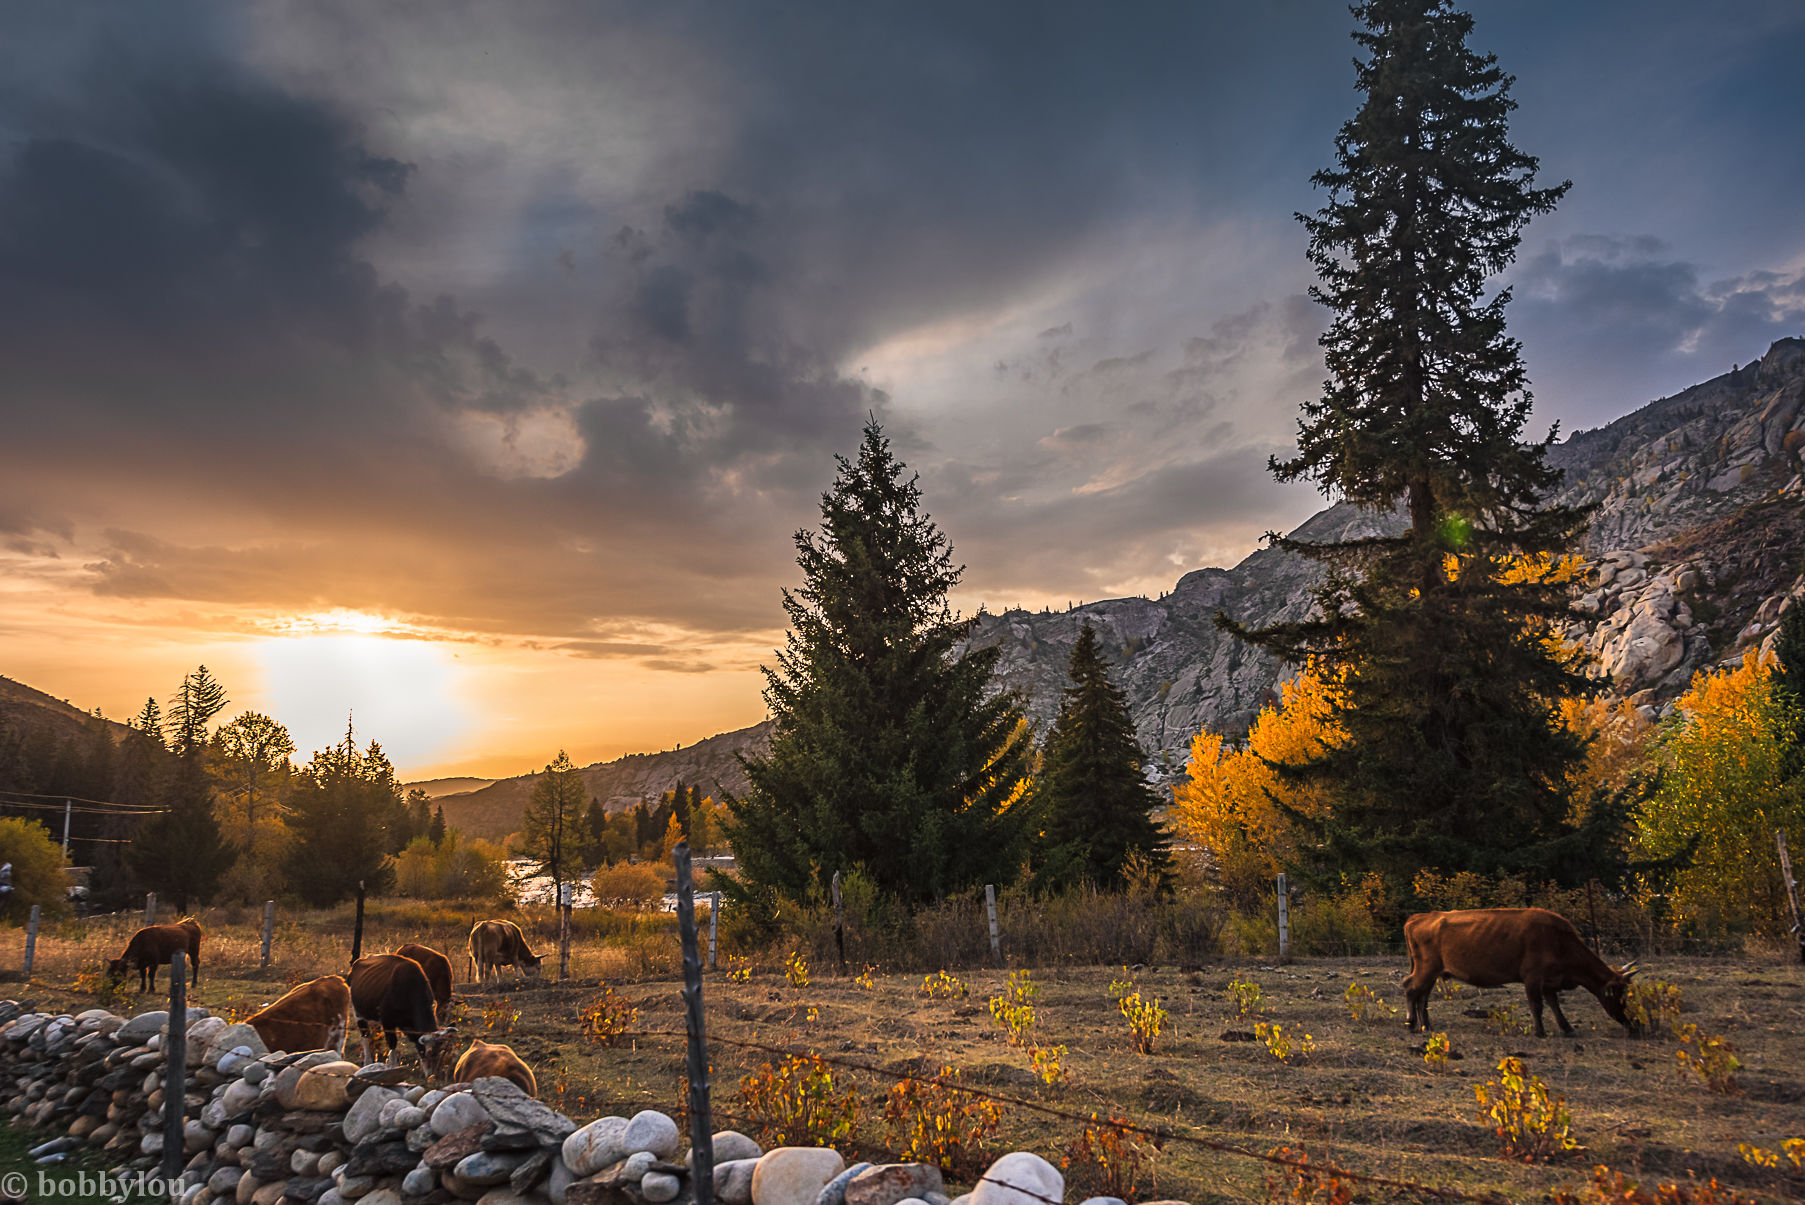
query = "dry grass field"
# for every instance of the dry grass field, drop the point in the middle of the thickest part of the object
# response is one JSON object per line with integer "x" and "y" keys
{"x": 1364, "y": 1098}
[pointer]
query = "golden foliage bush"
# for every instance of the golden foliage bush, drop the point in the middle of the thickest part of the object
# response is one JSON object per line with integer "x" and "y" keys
{"x": 38, "y": 864}
{"x": 1710, "y": 1057}
{"x": 608, "y": 1018}
{"x": 936, "y": 1121}
{"x": 1013, "y": 1011}
{"x": 1145, "y": 1020}
{"x": 455, "y": 869}
{"x": 1107, "y": 1159}
{"x": 1534, "y": 1123}
{"x": 799, "y": 1101}
{"x": 629, "y": 885}
{"x": 1229, "y": 800}
{"x": 1609, "y": 1187}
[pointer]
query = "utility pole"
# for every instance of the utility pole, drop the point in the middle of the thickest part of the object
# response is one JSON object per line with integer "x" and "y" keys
{"x": 68, "y": 806}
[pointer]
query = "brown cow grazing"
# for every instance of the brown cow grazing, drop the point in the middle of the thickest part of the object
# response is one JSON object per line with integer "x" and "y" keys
{"x": 499, "y": 943}
{"x": 391, "y": 993}
{"x": 485, "y": 1059}
{"x": 438, "y": 973}
{"x": 151, "y": 947}
{"x": 1489, "y": 947}
{"x": 309, "y": 1017}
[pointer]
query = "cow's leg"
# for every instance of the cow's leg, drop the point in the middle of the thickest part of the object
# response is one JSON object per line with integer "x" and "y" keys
{"x": 365, "y": 1053}
{"x": 1554, "y": 1002}
{"x": 393, "y": 1038}
{"x": 151, "y": 971}
{"x": 1416, "y": 997}
{"x": 197, "y": 969}
{"x": 1534, "y": 991}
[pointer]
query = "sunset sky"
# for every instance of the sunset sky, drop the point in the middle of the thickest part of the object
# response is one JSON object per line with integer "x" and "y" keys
{"x": 471, "y": 365}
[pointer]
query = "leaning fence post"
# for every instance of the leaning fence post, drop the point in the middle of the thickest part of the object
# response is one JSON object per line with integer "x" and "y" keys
{"x": 990, "y": 906}
{"x": 714, "y": 923}
{"x": 269, "y": 923}
{"x": 150, "y": 907}
{"x": 1792, "y": 890}
{"x": 701, "y": 1127}
{"x": 564, "y": 894}
{"x": 175, "y": 1088}
{"x": 31, "y": 941}
{"x": 1284, "y": 920}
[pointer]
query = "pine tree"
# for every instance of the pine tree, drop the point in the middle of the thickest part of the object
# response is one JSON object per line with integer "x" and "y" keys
{"x": 892, "y": 753}
{"x": 550, "y": 828}
{"x": 251, "y": 762}
{"x": 1789, "y": 649}
{"x": 436, "y": 831}
{"x": 419, "y": 813}
{"x": 1093, "y": 804}
{"x": 180, "y": 854}
{"x": 1442, "y": 638}
{"x": 336, "y": 809}
{"x": 149, "y": 721}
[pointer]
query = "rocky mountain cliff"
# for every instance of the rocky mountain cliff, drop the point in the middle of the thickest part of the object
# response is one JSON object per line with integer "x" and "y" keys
{"x": 1696, "y": 543}
{"x": 1695, "y": 546}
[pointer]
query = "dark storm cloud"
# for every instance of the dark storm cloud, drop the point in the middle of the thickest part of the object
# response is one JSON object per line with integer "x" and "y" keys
{"x": 1623, "y": 316}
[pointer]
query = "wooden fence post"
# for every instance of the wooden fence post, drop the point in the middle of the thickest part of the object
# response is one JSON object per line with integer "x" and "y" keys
{"x": 701, "y": 1125}
{"x": 714, "y": 923}
{"x": 31, "y": 941}
{"x": 68, "y": 806}
{"x": 564, "y": 895}
{"x": 839, "y": 922}
{"x": 175, "y": 1087}
{"x": 269, "y": 924}
{"x": 357, "y": 926}
{"x": 150, "y": 908}
{"x": 990, "y": 906}
{"x": 1792, "y": 890}
{"x": 1284, "y": 920}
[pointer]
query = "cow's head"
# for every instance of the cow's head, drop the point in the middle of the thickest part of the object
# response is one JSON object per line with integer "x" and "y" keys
{"x": 529, "y": 965}
{"x": 1615, "y": 998}
{"x": 116, "y": 970}
{"x": 437, "y": 1050}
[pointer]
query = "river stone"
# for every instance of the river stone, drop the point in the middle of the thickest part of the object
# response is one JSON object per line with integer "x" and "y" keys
{"x": 269, "y": 1194}
{"x": 239, "y": 1098}
{"x": 729, "y": 1146}
{"x": 247, "y": 1184}
{"x": 637, "y": 1165}
{"x": 794, "y": 1175}
{"x": 364, "y": 1118}
{"x": 140, "y": 1028}
{"x": 733, "y": 1181}
{"x": 592, "y": 1147}
{"x": 1019, "y": 1178}
{"x": 559, "y": 1182}
{"x": 447, "y": 1151}
{"x": 529, "y": 1173}
{"x": 419, "y": 1182}
{"x": 318, "y": 1087}
{"x": 458, "y": 1111}
{"x": 652, "y": 1131}
{"x": 407, "y": 1116}
{"x": 1103, "y": 1201}
{"x": 890, "y": 1183}
{"x": 383, "y": 1196}
{"x": 331, "y": 1196}
{"x": 381, "y": 1159}
{"x": 225, "y": 1180}
{"x": 660, "y": 1187}
{"x": 487, "y": 1167}
{"x": 834, "y": 1193}
{"x": 506, "y": 1196}
{"x": 305, "y": 1189}
{"x": 514, "y": 1109}
{"x": 354, "y": 1187}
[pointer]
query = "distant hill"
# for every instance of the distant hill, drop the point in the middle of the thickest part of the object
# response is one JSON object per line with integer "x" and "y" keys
{"x": 495, "y": 810}
{"x": 26, "y": 708}
{"x": 436, "y": 788}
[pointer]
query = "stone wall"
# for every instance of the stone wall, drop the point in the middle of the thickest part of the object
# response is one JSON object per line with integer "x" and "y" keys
{"x": 310, "y": 1128}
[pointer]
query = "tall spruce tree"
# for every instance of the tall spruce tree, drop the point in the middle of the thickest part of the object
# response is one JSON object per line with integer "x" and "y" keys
{"x": 1092, "y": 803}
{"x": 1440, "y": 640}
{"x": 550, "y": 830}
{"x": 891, "y": 753}
{"x": 338, "y": 809}
{"x": 180, "y": 854}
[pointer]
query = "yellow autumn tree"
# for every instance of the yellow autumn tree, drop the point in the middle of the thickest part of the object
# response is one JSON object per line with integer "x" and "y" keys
{"x": 1725, "y": 788}
{"x": 1233, "y": 801}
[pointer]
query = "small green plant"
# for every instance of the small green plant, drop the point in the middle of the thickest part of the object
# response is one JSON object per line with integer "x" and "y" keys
{"x": 1436, "y": 1051}
{"x": 1281, "y": 1045}
{"x": 1107, "y": 1159}
{"x": 942, "y": 986}
{"x": 1121, "y": 987}
{"x": 608, "y": 1018}
{"x": 1447, "y": 989}
{"x": 1245, "y": 996}
{"x": 864, "y": 982}
{"x": 499, "y": 1016}
{"x": 1014, "y": 1009}
{"x": 739, "y": 970}
{"x": 1533, "y": 1123}
{"x": 1047, "y": 1062}
{"x": 1503, "y": 1020}
{"x": 797, "y": 1101}
{"x": 1145, "y": 1019}
{"x": 1301, "y": 1184}
{"x": 1709, "y": 1057}
{"x": 795, "y": 969}
{"x": 937, "y": 1121}
{"x": 1655, "y": 1005}
{"x": 109, "y": 993}
{"x": 1364, "y": 1004}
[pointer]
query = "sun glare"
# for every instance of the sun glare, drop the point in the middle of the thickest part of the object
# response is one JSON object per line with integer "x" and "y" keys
{"x": 403, "y": 693}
